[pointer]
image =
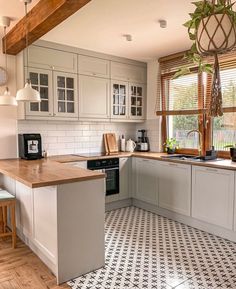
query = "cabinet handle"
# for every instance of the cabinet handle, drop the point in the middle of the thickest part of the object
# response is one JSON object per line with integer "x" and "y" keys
{"x": 212, "y": 170}
{"x": 173, "y": 164}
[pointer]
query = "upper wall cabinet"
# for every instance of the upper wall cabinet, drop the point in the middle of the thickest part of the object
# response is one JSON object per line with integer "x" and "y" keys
{"x": 47, "y": 58}
{"x": 94, "y": 98}
{"x": 128, "y": 72}
{"x": 94, "y": 66}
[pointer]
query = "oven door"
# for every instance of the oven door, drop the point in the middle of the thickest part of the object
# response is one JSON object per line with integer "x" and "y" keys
{"x": 112, "y": 181}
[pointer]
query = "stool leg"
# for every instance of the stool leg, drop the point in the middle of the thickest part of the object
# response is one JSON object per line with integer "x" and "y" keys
{"x": 13, "y": 225}
{"x": 4, "y": 212}
{"x": 1, "y": 217}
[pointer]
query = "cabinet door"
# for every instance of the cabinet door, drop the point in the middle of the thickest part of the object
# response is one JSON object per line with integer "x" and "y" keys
{"x": 120, "y": 100}
{"x": 94, "y": 66}
{"x": 128, "y": 72}
{"x": 175, "y": 187}
{"x": 137, "y": 101}
{"x": 47, "y": 58}
{"x": 124, "y": 178}
{"x": 146, "y": 181}
{"x": 94, "y": 101}
{"x": 42, "y": 81}
{"x": 65, "y": 95}
{"x": 213, "y": 196}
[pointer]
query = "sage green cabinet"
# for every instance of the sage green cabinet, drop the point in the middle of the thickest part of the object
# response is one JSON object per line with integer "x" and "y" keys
{"x": 94, "y": 66}
{"x": 52, "y": 59}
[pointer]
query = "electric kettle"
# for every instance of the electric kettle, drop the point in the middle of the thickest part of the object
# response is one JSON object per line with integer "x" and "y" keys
{"x": 130, "y": 145}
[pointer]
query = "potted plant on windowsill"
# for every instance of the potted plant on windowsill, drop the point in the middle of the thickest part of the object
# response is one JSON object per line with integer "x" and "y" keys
{"x": 171, "y": 145}
{"x": 232, "y": 151}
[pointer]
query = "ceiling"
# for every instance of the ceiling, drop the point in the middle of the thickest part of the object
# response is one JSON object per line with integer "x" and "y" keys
{"x": 101, "y": 24}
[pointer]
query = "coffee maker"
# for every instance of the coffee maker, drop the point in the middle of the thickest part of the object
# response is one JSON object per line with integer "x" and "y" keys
{"x": 143, "y": 141}
{"x": 30, "y": 146}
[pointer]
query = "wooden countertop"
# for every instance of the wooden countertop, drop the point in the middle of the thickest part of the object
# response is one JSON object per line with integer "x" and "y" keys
{"x": 218, "y": 164}
{"x": 76, "y": 158}
{"x": 54, "y": 171}
{"x": 45, "y": 172}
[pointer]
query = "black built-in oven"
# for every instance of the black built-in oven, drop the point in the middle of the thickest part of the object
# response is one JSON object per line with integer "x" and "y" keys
{"x": 111, "y": 168}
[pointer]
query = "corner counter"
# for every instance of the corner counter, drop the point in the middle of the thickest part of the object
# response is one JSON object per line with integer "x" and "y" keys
{"x": 60, "y": 213}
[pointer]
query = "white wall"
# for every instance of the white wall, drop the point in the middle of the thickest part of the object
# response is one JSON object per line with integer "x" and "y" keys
{"x": 8, "y": 115}
{"x": 152, "y": 124}
{"x": 75, "y": 137}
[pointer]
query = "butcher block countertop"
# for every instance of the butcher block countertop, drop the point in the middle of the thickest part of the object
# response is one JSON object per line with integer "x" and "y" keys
{"x": 54, "y": 171}
{"x": 45, "y": 172}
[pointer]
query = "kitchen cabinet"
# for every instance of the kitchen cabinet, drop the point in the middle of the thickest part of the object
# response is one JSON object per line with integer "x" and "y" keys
{"x": 94, "y": 100}
{"x": 146, "y": 181}
{"x": 41, "y": 80}
{"x": 65, "y": 94}
{"x": 128, "y": 101}
{"x": 58, "y": 92}
{"x": 175, "y": 187}
{"x": 52, "y": 59}
{"x": 128, "y": 72}
{"x": 213, "y": 196}
{"x": 124, "y": 178}
{"x": 120, "y": 99}
{"x": 136, "y": 101}
{"x": 94, "y": 66}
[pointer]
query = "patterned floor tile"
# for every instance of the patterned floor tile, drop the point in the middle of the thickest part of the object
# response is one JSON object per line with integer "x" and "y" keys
{"x": 153, "y": 283}
{"x": 118, "y": 282}
{"x": 149, "y": 251}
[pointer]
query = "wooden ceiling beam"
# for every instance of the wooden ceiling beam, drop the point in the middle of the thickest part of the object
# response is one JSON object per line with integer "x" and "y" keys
{"x": 42, "y": 18}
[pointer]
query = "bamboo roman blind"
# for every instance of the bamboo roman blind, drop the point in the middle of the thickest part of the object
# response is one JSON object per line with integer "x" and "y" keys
{"x": 190, "y": 94}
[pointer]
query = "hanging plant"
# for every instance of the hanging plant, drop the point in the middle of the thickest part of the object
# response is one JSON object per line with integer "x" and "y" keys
{"x": 212, "y": 30}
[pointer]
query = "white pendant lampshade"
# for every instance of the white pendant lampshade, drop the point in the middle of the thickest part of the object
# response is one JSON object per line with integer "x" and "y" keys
{"x": 7, "y": 99}
{"x": 28, "y": 93}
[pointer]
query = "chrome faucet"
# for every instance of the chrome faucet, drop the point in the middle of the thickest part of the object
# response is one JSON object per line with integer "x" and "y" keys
{"x": 200, "y": 140}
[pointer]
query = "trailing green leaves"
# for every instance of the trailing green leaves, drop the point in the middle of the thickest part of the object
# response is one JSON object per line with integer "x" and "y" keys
{"x": 203, "y": 9}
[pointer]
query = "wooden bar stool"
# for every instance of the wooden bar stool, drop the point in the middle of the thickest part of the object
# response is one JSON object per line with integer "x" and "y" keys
{"x": 8, "y": 201}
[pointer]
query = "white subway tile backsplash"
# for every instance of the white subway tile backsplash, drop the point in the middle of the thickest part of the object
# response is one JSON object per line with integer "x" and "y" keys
{"x": 82, "y": 137}
{"x": 70, "y": 137}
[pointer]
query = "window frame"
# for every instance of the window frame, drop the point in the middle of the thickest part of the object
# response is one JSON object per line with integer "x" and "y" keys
{"x": 204, "y": 122}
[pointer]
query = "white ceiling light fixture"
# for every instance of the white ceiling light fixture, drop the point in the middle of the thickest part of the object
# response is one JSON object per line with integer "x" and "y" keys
{"x": 163, "y": 23}
{"x": 27, "y": 94}
{"x": 128, "y": 37}
{"x": 6, "y": 99}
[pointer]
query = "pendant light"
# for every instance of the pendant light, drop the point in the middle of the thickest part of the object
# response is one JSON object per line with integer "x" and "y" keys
{"x": 27, "y": 94}
{"x": 6, "y": 99}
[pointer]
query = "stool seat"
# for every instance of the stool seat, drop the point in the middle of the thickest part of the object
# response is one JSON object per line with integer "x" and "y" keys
{"x": 5, "y": 196}
{"x": 7, "y": 203}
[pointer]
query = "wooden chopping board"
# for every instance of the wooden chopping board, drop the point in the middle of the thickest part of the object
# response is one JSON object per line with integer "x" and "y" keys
{"x": 111, "y": 143}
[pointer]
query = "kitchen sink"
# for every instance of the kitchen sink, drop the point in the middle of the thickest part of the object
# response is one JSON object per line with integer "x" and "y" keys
{"x": 191, "y": 158}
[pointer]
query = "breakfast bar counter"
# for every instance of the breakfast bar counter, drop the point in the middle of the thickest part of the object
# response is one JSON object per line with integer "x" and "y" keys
{"x": 44, "y": 172}
{"x": 60, "y": 212}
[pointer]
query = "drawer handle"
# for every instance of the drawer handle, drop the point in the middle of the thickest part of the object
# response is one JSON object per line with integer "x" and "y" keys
{"x": 211, "y": 170}
{"x": 173, "y": 165}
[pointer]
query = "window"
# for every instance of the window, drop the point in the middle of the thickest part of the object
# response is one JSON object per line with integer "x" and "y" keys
{"x": 223, "y": 132}
{"x": 182, "y": 96}
{"x": 183, "y": 104}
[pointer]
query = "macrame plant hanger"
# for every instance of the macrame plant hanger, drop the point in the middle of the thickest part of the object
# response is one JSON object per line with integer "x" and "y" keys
{"x": 209, "y": 43}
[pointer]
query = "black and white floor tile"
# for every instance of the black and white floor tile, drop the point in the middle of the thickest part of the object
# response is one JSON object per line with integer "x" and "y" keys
{"x": 147, "y": 251}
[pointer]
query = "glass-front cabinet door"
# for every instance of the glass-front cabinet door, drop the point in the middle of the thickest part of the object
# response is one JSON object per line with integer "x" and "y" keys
{"x": 65, "y": 94}
{"x": 120, "y": 99}
{"x": 137, "y": 101}
{"x": 41, "y": 80}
